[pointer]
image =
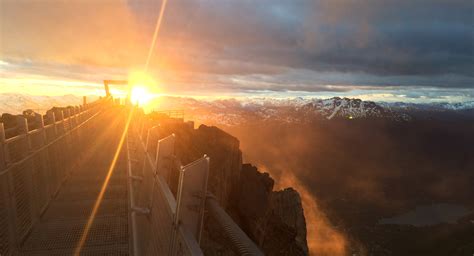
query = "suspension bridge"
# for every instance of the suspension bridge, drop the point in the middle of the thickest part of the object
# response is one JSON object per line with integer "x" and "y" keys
{"x": 97, "y": 179}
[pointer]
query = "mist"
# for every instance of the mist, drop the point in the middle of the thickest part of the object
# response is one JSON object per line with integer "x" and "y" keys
{"x": 350, "y": 174}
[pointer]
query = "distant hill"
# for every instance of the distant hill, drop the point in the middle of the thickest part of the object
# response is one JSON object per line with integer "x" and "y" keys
{"x": 15, "y": 103}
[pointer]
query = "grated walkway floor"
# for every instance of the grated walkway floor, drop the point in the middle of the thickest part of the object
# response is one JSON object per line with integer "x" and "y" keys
{"x": 62, "y": 224}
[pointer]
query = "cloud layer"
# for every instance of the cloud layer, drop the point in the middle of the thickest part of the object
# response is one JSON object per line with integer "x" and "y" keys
{"x": 245, "y": 46}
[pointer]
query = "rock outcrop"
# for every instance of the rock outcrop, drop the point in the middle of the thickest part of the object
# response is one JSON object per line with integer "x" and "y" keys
{"x": 222, "y": 148}
{"x": 274, "y": 220}
{"x": 285, "y": 232}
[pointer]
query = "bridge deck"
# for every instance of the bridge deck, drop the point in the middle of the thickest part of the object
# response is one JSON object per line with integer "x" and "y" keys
{"x": 62, "y": 224}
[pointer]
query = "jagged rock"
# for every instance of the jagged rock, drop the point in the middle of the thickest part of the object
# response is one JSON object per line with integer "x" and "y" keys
{"x": 253, "y": 201}
{"x": 285, "y": 232}
{"x": 57, "y": 111}
{"x": 255, "y": 190}
{"x": 10, "y": 122}
{"x": 225, "y": 164}
{"x": 221, "y": 147}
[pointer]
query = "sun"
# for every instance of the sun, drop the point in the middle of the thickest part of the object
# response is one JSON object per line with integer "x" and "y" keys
{"x": 141, "y": 85}
{"x": 140, "y": 95}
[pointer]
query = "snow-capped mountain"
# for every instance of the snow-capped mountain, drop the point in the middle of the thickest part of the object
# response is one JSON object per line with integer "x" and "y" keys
{"x": 233, "y": 112}
{"x": 350, "y": 108}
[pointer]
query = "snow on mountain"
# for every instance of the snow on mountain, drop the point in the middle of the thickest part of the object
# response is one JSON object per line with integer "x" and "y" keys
{"x": 15, "y": 103}
{"x": 233, "y": 112}
{"x": 349, "y": 108}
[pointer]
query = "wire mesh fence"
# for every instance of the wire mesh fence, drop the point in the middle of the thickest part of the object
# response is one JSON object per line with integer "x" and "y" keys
{"x": 155, "y": 230}
{"x": 169, "y": 221}
{"x": 33, "y": 164}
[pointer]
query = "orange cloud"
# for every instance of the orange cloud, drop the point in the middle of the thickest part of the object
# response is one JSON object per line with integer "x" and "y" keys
{"x": 72, "y": 32}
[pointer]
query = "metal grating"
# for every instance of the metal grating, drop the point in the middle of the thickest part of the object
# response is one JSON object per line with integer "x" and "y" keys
{"x": 117, "y": 250}
{"x": 83, "y": 209}
{"x": 87, "y": 180}
{"x": 85, "y": 193}
{"x": 60, "y": 234}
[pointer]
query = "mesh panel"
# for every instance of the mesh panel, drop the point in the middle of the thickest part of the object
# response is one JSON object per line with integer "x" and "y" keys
{"x": 5, "y": 242}
{"x": 40, "y": 171}
{"x": 16, "y": 149}
{"x": 23, "y": 197}
{"x": 154, "y": 231}
{"x": 161, "y": 220}
{"x": 145, "y": 191}
{"x": 181, "y": 246}
{"x": 54, "y": 168}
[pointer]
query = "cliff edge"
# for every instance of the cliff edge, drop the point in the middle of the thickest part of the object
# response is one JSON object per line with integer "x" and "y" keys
{"x": 274, "y": 220}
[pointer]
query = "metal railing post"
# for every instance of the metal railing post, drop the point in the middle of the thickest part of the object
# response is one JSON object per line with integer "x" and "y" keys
{"x": 3, "y": 156}
{"x": 176, "y": 223}
{"x": 52, "y": 119}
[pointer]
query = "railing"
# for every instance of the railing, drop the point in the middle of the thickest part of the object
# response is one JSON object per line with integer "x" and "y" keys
{"x": 163, "y": 224}
{"x": 163, "y": 221}
{"x": 154, "y": 211}
{"x": 174, "y": 113}
{"x": 33, "y": 164}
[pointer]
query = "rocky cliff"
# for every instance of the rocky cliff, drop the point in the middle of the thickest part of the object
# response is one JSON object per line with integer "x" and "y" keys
{"x": 273, "y": 219}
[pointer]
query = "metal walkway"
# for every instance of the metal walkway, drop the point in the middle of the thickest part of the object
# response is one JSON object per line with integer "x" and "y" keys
{"x": 59, "y": 194}
{"x": 61, "y": 226}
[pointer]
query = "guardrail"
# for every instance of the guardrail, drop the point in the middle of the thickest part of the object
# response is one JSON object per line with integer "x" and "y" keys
{"x": 174, "y": 113}
{"x": 163, "y": 224}
{"x": 33, "y": 165}
{"x": 155, "y": 214}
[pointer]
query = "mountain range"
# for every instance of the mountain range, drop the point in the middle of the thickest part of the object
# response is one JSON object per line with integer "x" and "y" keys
{"x": 232, "y": 112}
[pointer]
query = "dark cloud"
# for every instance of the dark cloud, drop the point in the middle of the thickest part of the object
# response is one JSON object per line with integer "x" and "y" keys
{"x": 416, "y": 41}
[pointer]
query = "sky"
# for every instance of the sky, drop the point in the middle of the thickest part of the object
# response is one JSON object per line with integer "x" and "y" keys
{"x": 385, "y": 50}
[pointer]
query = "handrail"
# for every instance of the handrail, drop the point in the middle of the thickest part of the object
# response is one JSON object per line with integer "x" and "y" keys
{"x": 160, "y": 189}
{"x": 131, "y": 197}
{"x": 240, "y": 241}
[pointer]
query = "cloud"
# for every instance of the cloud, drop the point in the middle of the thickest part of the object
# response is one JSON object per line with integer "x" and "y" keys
{"x": 102, "y": 33}
{"x": 276, "y": 45}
